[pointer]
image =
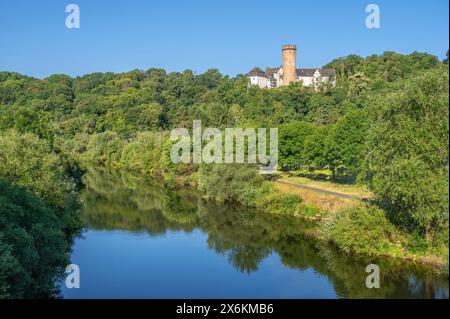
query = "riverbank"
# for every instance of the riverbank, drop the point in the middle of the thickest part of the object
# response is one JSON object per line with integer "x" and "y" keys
{"x": 340, "y": 215}
{"x": 334, "y": 200}
{"x": 344, "y": 214}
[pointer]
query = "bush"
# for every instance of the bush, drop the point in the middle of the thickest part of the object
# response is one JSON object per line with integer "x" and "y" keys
{"x": 241, "y": 184}
{"x": 310, "y": 211}
{"x": 233, "y": 183}
{"x": 278, "y": 203}
{"x": 104, "y": 148}
{"x": 361, "y": 229}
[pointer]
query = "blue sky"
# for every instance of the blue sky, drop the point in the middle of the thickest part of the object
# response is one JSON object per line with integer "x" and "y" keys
{"x": 230, "y": 35}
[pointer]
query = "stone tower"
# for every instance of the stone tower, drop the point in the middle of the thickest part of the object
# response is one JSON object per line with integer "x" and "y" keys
{"x": 289, "y": 64}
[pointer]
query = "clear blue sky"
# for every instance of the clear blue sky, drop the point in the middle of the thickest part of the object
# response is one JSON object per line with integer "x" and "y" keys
{"x": 230, "y": 35}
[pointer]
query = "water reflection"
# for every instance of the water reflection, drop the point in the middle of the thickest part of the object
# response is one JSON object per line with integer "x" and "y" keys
{"x": 122, "y": 201}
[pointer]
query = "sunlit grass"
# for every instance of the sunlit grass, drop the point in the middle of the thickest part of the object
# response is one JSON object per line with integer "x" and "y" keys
{"x": 323, "y": 202}
{"x": 360, "y": 191}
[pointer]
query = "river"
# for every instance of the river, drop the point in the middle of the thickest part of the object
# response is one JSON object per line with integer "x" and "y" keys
{"x": 146, "y": 240}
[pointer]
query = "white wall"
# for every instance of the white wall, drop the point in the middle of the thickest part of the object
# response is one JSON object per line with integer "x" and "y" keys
{"x": 264, "y": 82}
{"x": 311, "y": 81}
{"x": 259, "y": 81}
{"x": 307, "y": 80}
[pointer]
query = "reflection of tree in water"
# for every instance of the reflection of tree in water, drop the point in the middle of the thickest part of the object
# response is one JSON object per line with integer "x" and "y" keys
{"x": 123, "y": 201}
{"x": 116, "y": 200}
{"x": 234, "y": 233}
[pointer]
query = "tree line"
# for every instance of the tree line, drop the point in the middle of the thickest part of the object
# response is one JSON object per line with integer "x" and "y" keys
{"x": 384, "y": 124}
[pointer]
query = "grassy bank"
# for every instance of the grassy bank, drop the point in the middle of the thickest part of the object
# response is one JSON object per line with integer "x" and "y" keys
{"x": 361, "y": 228}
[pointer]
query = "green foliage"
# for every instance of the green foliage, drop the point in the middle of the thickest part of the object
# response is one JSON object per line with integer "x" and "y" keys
{"x": 240, "y": 184}
{"x": 316, "y": 148}
{"x": 384, "y": 114}
{"x": 389, "y": 66}
{"x": 39, "y": 215}
{"x": 358, "y": 84}
{"x": 361, "y": 229}
{"x": 33, "y": 245}
{"x": 309, "y": 211}
{"x": 346, "y": 140}
{"x": 407, "y": 160}
{"x": 143, "y": 154}
{"x": 104, "y": 148}
{"x": 291, "y": 144}
{"x": 233, "y": 183}
{"x": 276, "y": 202}
{"x": 27, "y": 161}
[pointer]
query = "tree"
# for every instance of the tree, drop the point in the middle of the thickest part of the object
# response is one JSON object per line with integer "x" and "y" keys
{"x": 104, "y": 148}
{"x": 346, "y": 141}
{"x": 346, "y": 66}
{"x": 29, "y": 161}
{"x": 407, "y": 152}
{"x": 144, "y": 154}
{"x": 358, "y": 83}
{"x": 291, "y": 144}
{"x": 315, "y": 148}
{"x": 39, "y": 216}
{"x": 145, "y": 117}
{"x": 34, "y": 249}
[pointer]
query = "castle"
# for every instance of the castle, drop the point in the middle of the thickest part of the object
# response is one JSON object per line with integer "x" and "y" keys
{"x": 288, "y": 73}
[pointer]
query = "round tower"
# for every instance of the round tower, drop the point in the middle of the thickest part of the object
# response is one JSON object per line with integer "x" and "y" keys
{"x": 289, "y": 63}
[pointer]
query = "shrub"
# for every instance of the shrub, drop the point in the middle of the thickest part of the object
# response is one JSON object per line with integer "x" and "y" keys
{"x": 241, "y": 184}
{"x": 310, "y": 211}
{"x": 233, "y": 183}
{"x": 360, "y": 229}
{"x": 278, "y": 203}
{"x": 104, "y": 148}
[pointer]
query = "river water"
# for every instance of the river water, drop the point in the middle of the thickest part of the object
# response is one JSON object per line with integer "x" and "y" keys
{"x": 146, "y": 240}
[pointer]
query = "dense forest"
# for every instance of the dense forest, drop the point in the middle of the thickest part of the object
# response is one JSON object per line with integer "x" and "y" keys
{"x": 384, "y": 125}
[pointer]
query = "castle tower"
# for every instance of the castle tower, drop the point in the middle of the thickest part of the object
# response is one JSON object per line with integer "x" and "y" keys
{"x": 289, "y": 64}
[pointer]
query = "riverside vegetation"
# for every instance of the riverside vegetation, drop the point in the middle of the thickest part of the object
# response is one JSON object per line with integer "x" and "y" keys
{"x": 384, "y": 125}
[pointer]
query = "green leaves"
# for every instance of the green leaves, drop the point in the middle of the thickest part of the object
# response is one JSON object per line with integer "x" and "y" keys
{"x": 28, "y": 161}
{"x": 361, "y": 229}
{"x": 39, "y": 215}
{"x": 407, "y": 159}
{"x": 291, "y": 144}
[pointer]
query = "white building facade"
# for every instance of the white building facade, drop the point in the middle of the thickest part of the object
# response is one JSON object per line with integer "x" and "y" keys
{"x": 273, "y": 77}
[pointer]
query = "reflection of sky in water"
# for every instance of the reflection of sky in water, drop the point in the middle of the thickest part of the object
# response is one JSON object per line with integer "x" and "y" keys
{"x": 177, "y": 264}
{"x": 414, "y": 284}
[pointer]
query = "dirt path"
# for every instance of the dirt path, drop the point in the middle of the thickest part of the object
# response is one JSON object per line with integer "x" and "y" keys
{"x": 323, "y": 191}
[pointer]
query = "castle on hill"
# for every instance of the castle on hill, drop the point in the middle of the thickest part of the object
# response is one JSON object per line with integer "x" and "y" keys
{"x": 288, "y": 73}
